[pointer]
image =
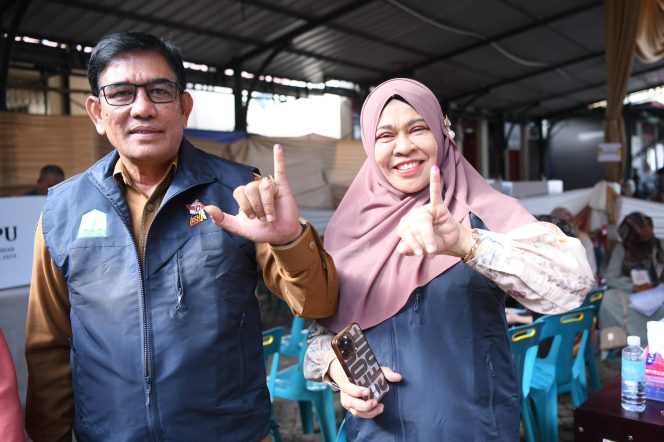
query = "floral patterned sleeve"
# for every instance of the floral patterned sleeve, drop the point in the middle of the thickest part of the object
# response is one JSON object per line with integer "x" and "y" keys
{"x": 537, "y": 264}
{"x": 319, "y": 355}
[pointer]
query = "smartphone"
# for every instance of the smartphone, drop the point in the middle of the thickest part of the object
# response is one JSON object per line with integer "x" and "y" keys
{"x": 359, "y": 361}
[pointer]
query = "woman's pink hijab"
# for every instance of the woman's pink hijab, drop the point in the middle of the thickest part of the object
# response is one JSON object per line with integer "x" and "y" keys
{"x": 375, "y": 280}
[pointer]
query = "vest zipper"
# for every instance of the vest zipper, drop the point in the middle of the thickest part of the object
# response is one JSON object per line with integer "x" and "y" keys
{"x": 152, "y": 412}
{"x": 147, "y": 378}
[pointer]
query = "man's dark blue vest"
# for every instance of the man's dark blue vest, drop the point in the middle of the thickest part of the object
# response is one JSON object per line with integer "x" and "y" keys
{"x": 171, "y": 351}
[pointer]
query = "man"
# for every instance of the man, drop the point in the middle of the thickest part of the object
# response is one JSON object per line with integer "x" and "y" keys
{"x": 142, "y": 321}
{"x": 49, "y": 176}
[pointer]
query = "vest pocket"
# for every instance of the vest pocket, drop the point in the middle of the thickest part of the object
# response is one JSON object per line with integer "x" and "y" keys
{"x": 180, "y": 307}
{"x": 492, "y": 390}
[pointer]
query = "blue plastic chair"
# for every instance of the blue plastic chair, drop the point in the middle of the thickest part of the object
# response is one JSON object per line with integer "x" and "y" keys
{"x": 560, "y": 371}
{"x": 523, "y": 341}
{"x": 291, "y": 384}
{"x": 271, "y": 346}
{"x": 593, "y": 298}
{"x": 290, "y": 346}
{"x": 341, "y": 435}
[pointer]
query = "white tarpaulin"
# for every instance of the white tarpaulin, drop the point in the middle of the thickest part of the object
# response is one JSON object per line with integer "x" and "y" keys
{"x": 18, "y": 218}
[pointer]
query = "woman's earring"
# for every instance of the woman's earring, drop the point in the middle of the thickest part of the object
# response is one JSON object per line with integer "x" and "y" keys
{"x": 448, "y": 124}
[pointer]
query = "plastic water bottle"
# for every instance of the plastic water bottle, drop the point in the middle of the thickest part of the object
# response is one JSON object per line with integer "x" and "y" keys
{"x": 633, "y": 395}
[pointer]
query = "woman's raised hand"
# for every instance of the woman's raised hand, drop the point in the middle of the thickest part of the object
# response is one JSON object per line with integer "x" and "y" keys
{"x": 431, "y": 230}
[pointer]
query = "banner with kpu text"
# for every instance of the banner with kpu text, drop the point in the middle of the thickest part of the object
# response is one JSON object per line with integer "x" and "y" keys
{"x": 18, "y": 218}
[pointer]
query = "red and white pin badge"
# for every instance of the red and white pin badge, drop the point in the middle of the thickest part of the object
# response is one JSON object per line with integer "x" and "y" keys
{"x": 196, "y": 212}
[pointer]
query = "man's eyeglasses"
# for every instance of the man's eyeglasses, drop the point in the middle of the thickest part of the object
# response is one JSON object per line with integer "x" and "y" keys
{"x": 122, "y": 94}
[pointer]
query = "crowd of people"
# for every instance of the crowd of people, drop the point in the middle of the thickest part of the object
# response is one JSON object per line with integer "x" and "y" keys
{"x": 142, "y": 320}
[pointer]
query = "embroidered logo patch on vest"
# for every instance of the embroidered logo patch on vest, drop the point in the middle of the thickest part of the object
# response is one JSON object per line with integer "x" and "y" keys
{"x": 196, "y": 212}
{"x": 94, "y": 224}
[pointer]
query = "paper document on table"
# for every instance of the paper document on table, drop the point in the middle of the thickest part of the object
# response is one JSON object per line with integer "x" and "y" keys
{"x": 648, "y": 301}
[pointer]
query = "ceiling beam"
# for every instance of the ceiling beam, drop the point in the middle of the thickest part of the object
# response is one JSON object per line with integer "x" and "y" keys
{"x": 573, "y": 91}
{"x": 495, "y": 38}
{"x": 288, "y": 37}
{"x": 521, "y": 77}
{"x": 272, "y": 7}
{"x": 94, "y": 7}
{"x": 117, "y": 12}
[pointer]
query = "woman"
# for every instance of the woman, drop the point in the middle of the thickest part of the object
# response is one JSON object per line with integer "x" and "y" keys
{"x": 639, "y": 251}
{"x": 423, "y": 247}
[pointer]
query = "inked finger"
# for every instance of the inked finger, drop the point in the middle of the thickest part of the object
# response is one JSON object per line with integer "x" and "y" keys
{"x": 280, "y": 166}
{"x": 435, "y": 188}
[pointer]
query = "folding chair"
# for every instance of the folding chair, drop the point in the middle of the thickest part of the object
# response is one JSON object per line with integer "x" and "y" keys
{"x": 593, "y": 298}
{"x": 523, "y": 341}
{"x": 560, "y": 371}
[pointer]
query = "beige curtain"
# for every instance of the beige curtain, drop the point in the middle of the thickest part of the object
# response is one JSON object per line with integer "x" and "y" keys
{"x": 650, "y": 35}
{"x": 621, "y": 25}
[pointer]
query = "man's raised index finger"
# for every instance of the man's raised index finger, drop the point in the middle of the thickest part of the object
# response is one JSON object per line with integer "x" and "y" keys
{"x": 279, "y": 167}
{"x": 435, "y": 189}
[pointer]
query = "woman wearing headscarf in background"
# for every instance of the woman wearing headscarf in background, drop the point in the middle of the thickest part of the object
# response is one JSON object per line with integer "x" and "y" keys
{"x": 636, "y": 264}
{"x": 420, "y": 242}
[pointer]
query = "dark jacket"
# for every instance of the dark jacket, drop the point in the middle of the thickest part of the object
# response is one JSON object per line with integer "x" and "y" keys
{"x": 450, "y": 344}
{"x": 170, "y": 351}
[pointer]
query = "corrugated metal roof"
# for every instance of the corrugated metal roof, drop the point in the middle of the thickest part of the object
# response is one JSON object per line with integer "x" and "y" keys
{"x": 515, "y": 56}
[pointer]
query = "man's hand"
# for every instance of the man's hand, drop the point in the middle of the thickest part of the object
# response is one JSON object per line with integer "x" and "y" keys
{"x": 268, "y": 211}
{"x": 431, "y": 230}
{"x": 352, "y": 396}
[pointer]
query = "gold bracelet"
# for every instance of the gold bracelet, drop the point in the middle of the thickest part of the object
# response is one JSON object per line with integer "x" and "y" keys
{"x": 475, "y": 238}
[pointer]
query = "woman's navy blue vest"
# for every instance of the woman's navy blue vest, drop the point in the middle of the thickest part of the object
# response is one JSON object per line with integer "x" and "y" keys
{"x": 450, "y": 344}
{"x": 170, "y": 351}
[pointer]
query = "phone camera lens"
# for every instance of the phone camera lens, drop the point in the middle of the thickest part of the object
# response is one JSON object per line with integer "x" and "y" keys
{"x": 347, "y": 346}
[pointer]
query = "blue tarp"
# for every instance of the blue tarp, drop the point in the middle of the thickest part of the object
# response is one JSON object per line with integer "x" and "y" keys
{"x": 216, "y": 135}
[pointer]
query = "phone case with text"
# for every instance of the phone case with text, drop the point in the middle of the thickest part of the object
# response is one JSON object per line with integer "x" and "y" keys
{"x": 359, "y": 361}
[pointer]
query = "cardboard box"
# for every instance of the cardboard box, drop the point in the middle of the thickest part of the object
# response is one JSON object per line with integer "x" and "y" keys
{"x": 654, "y": 376}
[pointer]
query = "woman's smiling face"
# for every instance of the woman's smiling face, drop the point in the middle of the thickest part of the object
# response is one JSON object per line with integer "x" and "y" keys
{"x": 405, "y": 147}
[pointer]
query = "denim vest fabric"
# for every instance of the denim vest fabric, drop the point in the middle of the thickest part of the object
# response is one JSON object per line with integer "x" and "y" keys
{"x": 171, "y": 351}
{"x": 450, "y": 344}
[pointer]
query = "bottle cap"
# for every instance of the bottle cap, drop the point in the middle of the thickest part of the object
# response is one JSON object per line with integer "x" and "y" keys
{"x": 634, "y": 340}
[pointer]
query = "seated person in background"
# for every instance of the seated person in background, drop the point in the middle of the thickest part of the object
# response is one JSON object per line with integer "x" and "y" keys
{"x": 49, "y": 176}
{"x": 639, "y": 250}
{"x": 516, "y": 316}
{"x": 11, "y": 416}
{"x": 566, "y": 215}
{"x": 658, "y": 193}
